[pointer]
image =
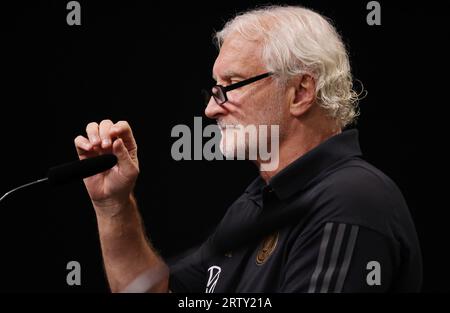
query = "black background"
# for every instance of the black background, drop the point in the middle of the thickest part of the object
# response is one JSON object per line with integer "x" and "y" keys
{"x": 146, "y": 63}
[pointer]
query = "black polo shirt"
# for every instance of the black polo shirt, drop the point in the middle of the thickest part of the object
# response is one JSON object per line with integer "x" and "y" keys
{"x": 357, "y": 234}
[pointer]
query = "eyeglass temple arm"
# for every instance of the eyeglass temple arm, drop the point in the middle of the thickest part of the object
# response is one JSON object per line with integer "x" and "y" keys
{"x": 246, "y": 82}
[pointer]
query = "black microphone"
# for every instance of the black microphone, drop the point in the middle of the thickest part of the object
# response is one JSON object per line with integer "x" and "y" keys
{"x": 72, "y": 171}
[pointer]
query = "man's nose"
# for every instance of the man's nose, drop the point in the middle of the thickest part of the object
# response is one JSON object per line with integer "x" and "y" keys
{"x": 213, "y": 110}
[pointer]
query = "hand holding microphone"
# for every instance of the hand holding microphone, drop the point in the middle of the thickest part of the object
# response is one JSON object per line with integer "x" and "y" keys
{"x": 110, "y": 190}
{"x": 107, "y": 146}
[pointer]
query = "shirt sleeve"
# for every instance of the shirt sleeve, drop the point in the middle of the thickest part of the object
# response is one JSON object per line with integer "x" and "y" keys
{"x": 338, "y": 257}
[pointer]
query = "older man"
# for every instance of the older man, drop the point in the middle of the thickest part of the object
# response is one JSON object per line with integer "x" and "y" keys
{"x": 284, "y": 66}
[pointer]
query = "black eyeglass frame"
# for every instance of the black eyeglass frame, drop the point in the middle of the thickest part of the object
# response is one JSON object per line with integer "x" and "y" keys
{"x": 219, "y": 92}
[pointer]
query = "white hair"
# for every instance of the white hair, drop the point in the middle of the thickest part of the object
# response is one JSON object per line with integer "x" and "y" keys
{"x": 297, "y": 41}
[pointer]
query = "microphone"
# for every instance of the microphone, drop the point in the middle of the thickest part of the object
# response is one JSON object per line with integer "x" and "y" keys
{"x": 67, "y": 172}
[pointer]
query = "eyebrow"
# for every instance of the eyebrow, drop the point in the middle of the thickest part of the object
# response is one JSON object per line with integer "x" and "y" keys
{"x": 229, "y": 74}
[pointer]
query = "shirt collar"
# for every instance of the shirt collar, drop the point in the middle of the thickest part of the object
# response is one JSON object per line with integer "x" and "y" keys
{"x": 297, "y": 175}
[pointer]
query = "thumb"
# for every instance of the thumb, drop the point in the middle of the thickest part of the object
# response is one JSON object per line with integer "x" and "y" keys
{"x": 123, "y": 157}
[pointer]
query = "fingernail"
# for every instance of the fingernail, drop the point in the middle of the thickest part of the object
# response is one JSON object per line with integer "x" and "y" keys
{"x": 106, "y": 142}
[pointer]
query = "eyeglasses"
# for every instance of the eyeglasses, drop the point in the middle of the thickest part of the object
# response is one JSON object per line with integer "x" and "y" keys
{"x": 219, "y": 92}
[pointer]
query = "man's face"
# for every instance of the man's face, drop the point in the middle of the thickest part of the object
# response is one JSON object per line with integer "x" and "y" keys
{"x": 259, "y": 103}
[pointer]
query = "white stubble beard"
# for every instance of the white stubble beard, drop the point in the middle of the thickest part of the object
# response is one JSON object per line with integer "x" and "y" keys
{"x": 230, "y": 148}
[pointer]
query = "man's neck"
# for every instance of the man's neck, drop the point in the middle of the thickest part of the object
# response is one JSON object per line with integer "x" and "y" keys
{"x": 294, "y": 147}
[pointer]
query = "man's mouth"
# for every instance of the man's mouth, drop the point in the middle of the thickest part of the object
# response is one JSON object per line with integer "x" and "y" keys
{"x": 224, "y": 126}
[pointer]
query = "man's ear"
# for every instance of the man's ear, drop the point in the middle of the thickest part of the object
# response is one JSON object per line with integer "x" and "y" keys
{"x": 304, "y": 95}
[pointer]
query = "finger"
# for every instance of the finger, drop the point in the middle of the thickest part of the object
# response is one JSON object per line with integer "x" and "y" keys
{"x": 123, "y": 130}
{"x": 104, "y": 128}
{"x": 126, "y": 164}
{"x": 83, "y": 146}
{"x": 92, "y": 133}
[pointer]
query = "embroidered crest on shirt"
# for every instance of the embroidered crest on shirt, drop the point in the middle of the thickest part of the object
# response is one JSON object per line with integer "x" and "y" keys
{"x": 266, "y": 248}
